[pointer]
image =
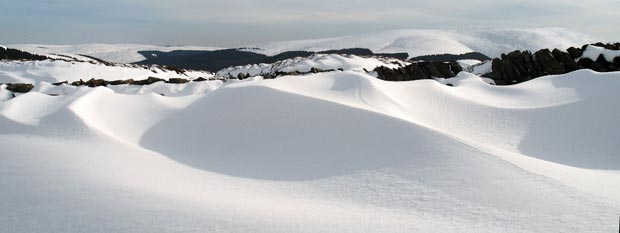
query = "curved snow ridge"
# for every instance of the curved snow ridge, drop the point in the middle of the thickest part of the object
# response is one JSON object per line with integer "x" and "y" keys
{"x": 496, "y": 118}
{"x": 317, "y": 61}
{"x": 317, "y": 137}
{"x": 417, "y": 42}
{"x": 99, "y": 110}
{"x": 160, "y": 88}
{"x": 124, "y": 117}
{"x": 44, "y": 115}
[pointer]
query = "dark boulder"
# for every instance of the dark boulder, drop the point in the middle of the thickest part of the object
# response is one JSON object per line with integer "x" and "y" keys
{"x": 512, "y": 71}
{"x": 242, "y": 76}
{"x": 455, "y": 67}
{"x": 96, "y": 82}
{"x": 415, "y": 72}
{"x": 575, "y": 52}
{"x": 77, "y": 83}
{"x": 548, "y": 63}
{"x": 437, "y": 69}
{"x": 177, "y": 80}
{"x": 606, "y": 46}
{"x": 148, "y": 81}
{"x": 199, "y": 79}
{"x": 281, "y": 73}
{"x": 565, "y": 60}
{"x": 587, "y": 63}
{"x": 388, "y": 74}
{"x": 19, "y": 87}
{"x": 121, "y": 82}
{"x": 496, "y": 71}
{"x": 420, "y": 70}
{"x": 60, "y": 83}
{"x": 602, "y": 65}
{"x": 315, "y": 70}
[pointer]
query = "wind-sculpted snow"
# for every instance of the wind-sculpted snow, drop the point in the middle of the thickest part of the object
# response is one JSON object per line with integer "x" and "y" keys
{"x": 327, "y": 152}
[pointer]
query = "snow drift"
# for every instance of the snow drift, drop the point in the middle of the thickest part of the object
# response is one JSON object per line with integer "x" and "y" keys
{"x": 328, "y": 152}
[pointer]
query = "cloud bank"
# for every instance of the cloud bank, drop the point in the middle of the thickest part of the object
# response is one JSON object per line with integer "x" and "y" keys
{"x": 239, "y": 22}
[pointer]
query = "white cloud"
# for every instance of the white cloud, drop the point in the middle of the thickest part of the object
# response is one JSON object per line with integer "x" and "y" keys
{"x": 286, "y": 19}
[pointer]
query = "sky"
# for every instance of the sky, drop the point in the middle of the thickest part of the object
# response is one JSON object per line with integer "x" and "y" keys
{"x": 232, "y": 23}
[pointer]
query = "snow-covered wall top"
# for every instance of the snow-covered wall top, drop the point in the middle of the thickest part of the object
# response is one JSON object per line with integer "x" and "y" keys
{"x": 55, "y": 71}
{"x": 318, "y": 61}
{"x": 593, "y": 52}
{"x": 418, "y": 42}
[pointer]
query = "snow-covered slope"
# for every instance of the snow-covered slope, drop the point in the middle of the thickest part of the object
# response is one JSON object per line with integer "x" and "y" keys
{"x": 418, "y": 42}
{"x": 318, "y": 61}
{"x": 328, "y": 152}
{"x": 117, "y": 53}
{"x": 55, "y": 71}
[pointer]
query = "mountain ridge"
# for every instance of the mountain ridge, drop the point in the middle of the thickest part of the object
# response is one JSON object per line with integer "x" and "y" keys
{"x": 491, "y": 42}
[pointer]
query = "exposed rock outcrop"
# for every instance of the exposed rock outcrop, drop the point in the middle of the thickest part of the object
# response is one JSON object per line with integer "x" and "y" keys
{"x": 514, "y": 67}
{"x": 420, "y": 70}
{"x": 517, "y": 66}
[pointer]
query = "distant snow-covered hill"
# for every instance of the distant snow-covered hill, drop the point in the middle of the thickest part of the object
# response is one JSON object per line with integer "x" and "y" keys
{"x": 419, "y": 42}
{"x": 415, "y": 42}
{"x": 117, "y": 53}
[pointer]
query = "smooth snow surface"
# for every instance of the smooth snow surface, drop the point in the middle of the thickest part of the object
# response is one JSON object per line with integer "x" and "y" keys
{"x": 418, "y": 42}
{"x": 328, "y": 152}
